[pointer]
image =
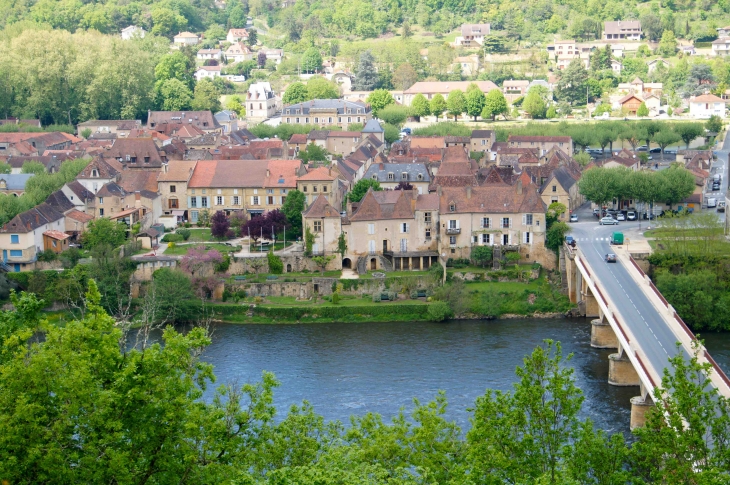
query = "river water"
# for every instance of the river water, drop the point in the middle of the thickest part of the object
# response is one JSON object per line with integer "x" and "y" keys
{"x": 352, "y": 368}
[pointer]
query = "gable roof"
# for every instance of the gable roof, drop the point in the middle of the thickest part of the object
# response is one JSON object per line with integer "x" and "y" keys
{"x": 135, "y": 152}
{"x": 505, "y": 199}
{"x": 202, "y": 119}
{"x": 320, "y": 208}
{"x": 319, "y": 173}
{"x": 103, "y": 168}
{"x": 380, "y": 171}
{"x": 59, "y": 201}
{"x": 32, "y": 219}
{"x": 177, "y": 171}
{"x": 385, "y": 204}
{"x": 16, "y": 181}
{"x": 372, "y": 126}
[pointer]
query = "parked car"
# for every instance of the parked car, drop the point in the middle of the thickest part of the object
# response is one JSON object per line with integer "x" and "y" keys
{"x": 642, "y": 148}
{"x": 655, "y": 150}
{"x": 670, "y": 151}
{"x": 721, "y": 206}
{"x": 610, "y": 258}
{"x": 711, "y": 202}
{"x": 631, "y": 216}
{"x": 407, "y": 131}
{"x": 608, "y": 221}
{"x": 573, "y": 218}
{"x": 620, "y": 216}
{"x": 569, "y": 239}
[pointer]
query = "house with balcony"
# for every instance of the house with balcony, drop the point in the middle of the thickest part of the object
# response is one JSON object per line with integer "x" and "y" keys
{"x": 28, "y": 233}
{"x": 622, "y": 30}
{"x": 702, "y": 107}
{"x": 172, "y": 184}
{"x": 472, "y": 35}
{"x": 324, "y": 112}
{"x": 721, "y": 46}
{"x": 514, "y": 89}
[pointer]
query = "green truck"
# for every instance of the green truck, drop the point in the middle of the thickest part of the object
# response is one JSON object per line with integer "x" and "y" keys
{"x": 617, "y": 238}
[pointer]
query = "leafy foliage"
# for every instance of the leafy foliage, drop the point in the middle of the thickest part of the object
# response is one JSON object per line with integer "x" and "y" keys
{"x": 219, "y": 225}
{"x": 361, "y": 188}
{"x": 104, "y": 231}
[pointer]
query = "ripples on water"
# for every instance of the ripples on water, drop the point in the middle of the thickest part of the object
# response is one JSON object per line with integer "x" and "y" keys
{"x": 353, "y": 368}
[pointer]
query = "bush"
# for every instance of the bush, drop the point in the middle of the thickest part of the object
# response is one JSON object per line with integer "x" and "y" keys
{"x": 70, "y": 257}
{"x": 296, "y": 313}
{"x": 439, "y": 311}
{"x": 376, "y": 297}
{"x": 225, "y": 263}
{"x": 457, "y": 263}
{"x": 184, "y": 233}
{"x": 276, "y": 266}
{"x": 173, "y": 238}
{"x": 47, "y": 256}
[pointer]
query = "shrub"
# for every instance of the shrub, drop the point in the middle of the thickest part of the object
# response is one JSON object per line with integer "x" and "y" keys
{"x": 376, "y": 297}
{"x": 184, "y": 233}
{"x": 438, "y": 311}
{"x": 47, "y": 256}
{"x": 224, "y": 264}
{"x": 276, "y": 266}
{"x": 171, "y": 245}
{"x": 173, "y": 238}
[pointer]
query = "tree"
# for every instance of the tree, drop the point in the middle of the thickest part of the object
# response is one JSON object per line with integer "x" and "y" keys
{"x": 475, "y": 101}
{"x": 261, "y": 59}
{"x": 495, "y": 104}
{"x": 437, "y": 105}
{"x": 714, "y": 124}
{"x": 175, "y": 95}
{"x": 665, "y": 137}
{"x": 235, "y": 103}
{"x": 699, "y": 80}
{"x": 643, "y": 110}
{"x": 104, "y": 231}
{"x": 406, "y": 29}
{"x": 342, "y": 245}
{"x": 361, "y": 188}
{"x": 481, "y": 255}
{"x": 311, "y": 60}
{"x": 456, "y": 103}
{"x": 296, "y": 93}
{"x": 219, "y": 225}
{"x": 652, "y": 27}
{"x": 292, "y": 209}
{"x": 206, "y": 97}
{"x": 5, "y": 168}
{"x": 677, "y": 183}
{"x": 600, "y": 185}
{"x": 404, "y": 76}
{"x": 312, "y": 153}
{"x": 572, "y": 83}
{"x": 322, "y": 262}
{"x": 668, "y": 44}
{"x": 493, "y": 44}
{"x": 394, "y": 114}
{"x": 419, "y": 106}
{"x": 391, "y": 133}
{"x": 321, "y": 88}
{"x": 688, "y": 132}
{"x": 276, "y": 266}
{"x": 534, "y": 105}
{"x": 524, "y": 436}
{"x": 379, "y": 99}
{"x": 366, "y": 76}
{"x": 33, "y": 167}
{"x": 86, "y": 133}
{"x": 253, "y": 38}
{"x": 554, "y": 213}
{"x": 175, "y": 299}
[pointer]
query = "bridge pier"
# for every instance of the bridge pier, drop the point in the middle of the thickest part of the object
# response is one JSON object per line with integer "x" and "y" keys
{"x": 591, "y": 304}
{"x": 577, "y": 286}
{"x": 640, "y": 406}
{"x": 602, "y": 335}
{"x": 621, "y": 371}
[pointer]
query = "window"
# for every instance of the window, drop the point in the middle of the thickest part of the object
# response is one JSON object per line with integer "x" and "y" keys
{"x": 101, "y": 212}
{"x": 553, "y": 199}
{"x": 506, "y": 222}
{"x": 235, "y": 191}
{"x": 317, "y": 226}
{"x": 453, "y": 224}
{"x": 269, "y": 191}
{"x": 218, "y": 200}
{"x": 452, "y": 207}
{"x": 270, "y": 200}
{"x": 555, "y": 188}
{"x": 486, "y": 238}
{"x": 193, "y": 202}
{"x": 16, "y": 253}
{"x": 304, "y": 188}
{"x": 219, "y": 191}
{"x": 95, "y": 173}
{"x": 404, "y": 176}
{"x": 427, "y": 217}
{"x": 404, "y": 227}
{"x": 14, "y": 239}
{"x": 428, "y": 234}
{"x": 205, "y": 191}
{"x": 173, "y": 189}
{"x": 452, "y": 240}
{"x": 192, "y": 192}
{"x": 371, "y": 228}
{"x": 526, "y": 238}
{"x": 485, "y": 222}
{"x": 173, "y": 204}
{"x": 146, "y": 159}
{"x": 404, "y": 245}
{"x": 55, "y": 244}
{"x": 101, "y": 200}
{"x": 528, "y": 219}
{"x": 314, "y": 188}
{"x": 236, "y": 200}
{"x": 391, "y": 176}
{"x": 316, "y": 120}
{"x": 203, "y": 202}
{"x": 282, "y": 191}
{"x": 324, "y": 188}
{"x": 484, "y": 142}
{"x": 255, "y": 200}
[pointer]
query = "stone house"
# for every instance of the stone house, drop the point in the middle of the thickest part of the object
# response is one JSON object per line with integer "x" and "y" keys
{"x": 327, "y": 112}
{"x": 321, "y": 181}
{"x": 99, "y": 172}
{"x": 342, "y": 142}
{"x": 121, "y": 128}
{"x": 325, "y": 224}
{"x": 562, "y": 187}
{"x": 542, "y": 143}
{"x": 22, "y": 238}
{"x": 261, "y": 103}
{"x": 390, "y": 175}
{"x": 482, "y": 141}
{"x": 172, "y": 184}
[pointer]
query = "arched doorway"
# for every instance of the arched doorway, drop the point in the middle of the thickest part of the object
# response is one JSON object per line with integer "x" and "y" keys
{"x": 346, "y": 263}
{"x": 373, "y": 264}
{"x": 288, "y": 268}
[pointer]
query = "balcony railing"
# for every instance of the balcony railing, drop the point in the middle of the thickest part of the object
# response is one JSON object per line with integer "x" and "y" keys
{"x": 453, "y": 230}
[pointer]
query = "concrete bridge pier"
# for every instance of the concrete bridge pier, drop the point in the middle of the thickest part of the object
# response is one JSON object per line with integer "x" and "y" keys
{"x": 621, "y": 371}
{"x": 640, "y": 406}
{"x": 602, "y": 335}
{"x": 591, "y": 305}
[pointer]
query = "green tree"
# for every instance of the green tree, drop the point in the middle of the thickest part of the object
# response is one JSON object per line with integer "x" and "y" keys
{"x": 175, "y": 66}
{"x": 235, "y": 103}
{"x": 104, "y": 231}
{"x": 678, "y": 184}
{"x": 5, "y": 168}
{"x": 437, "y": 105}
{"x": 404, "y": 76}
{"x": 366, "y": 76}
{"x": 323, "y": 261}
{"x": 688, "y": 132}
{"x": 495, "y": 104}
{"x": 493, "y": 44}
{"x": 296, "y": 93}
{"x": 321, "y": 88}
{"x": 174, "y": 299}
{"x": 175, "y": 95}
{"x": 438, "y": 311}
{"x": 419, "y": 106}
{"x": 276, "y": 266}
{"x": 456, "y": 103}
{"x": 361, "y": 188}
{"x": 534, "y": 105}
{"x": 643, "y": 110}
{"x": 33, "y": 167}
{"x": 206, "y": 97}
{"x": 312, "y": 153}
{"x": 86, "y": 133}
{"x": 311, "y": 60}
{"x": 292, "y": 208}
{"x": 475, "y": 101}
{"x": 600, "y": 185}
{"x": 342, "y": 245}
{"x": 572, "y": 83}
{"x": 481, "y": 255}
{"x": 665, "y": 137}
{"x": 391, "y": 133}
{"x": 394, "y": 114}
{"x": 379, "y": 99}
{"x": 714, "y": 124}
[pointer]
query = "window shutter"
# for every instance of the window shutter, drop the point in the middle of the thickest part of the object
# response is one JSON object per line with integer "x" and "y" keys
{"x": 510, "y": 223}
{"x": 252, "y": 200}
{"x": 524, "y": 220}
{"x": 408, "y": 227}
{"x": 189, "y": 202}
{"x": 223, "y": 200}
{"x": 457, "y": 223}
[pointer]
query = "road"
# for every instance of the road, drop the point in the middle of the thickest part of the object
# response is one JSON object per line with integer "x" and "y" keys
{"x": 636, "y": 311}
{"x": 720, "y": 166}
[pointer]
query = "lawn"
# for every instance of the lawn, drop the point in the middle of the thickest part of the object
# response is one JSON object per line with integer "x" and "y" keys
{"x": 346, "y": 300}
{"x": 199, "y": 235}
{"x": 394, "y": 274}
{"x": 182, "y": 250}
{"x": 487, "y": 268}
{"x": 293, "y": 276}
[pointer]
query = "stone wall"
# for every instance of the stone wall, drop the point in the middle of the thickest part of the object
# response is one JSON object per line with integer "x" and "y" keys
{"x": 292, "y": 263}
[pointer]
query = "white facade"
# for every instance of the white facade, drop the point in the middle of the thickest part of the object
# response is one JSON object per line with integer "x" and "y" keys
{"x": 205, "y": 54}
{"x": 260, "y": 101}
{"x": 186, "y": 38}
{"x": 207, "y": 72}
{"x": 132, "y": 31}
{"x": 721, "y": 47}
{"x": 702, "y": 107}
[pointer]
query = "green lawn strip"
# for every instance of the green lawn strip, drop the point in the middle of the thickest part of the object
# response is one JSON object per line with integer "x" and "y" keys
{"x": 199, "y": 235}
{"x": 182, "y": 250}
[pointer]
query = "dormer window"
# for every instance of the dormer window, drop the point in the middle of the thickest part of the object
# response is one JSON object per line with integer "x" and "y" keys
{"x": 420, "y": 176}
{"x": 452, "y": 207}
{"x": 375, "y": 177}
{"x": 391, "y": 176}
{"x": 404, "y": 176}
{"x": 146, "y": 159}
{"x": 95, "y": 173}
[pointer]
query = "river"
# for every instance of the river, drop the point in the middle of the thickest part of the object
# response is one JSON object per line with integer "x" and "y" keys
{"x": 352, "y": 368}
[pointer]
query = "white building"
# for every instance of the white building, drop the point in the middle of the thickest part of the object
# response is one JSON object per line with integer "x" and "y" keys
{"x": 472, "y": 35}
{"x": 236, "y": 35}
{"x": 260, "y": 101}
{"x": 721, "y": 46}
{"x": 238, "y": 52}
{"x": 702, "y": 107}
{"x": 206, "y": 54}
{"x": 207, "y": 72}
{"x": 132, "y": 31}
{"x": 186, "y": 38}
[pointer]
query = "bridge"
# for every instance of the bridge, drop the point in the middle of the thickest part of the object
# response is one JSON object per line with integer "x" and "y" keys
{"x": 632, "y": 316}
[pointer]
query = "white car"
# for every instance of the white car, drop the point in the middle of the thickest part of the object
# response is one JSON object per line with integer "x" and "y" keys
{"x": 608, "y": 221}
{"x": 620, "y": 216}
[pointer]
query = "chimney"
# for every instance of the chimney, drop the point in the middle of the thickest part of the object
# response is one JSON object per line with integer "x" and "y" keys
{"x": 468, "y": 192}
{"x": 329, "y": 170}
{"x": 519, "y": 187}
{"x": 439, "y": 191}
{"x": 381, "y": 166}
{"x": 268, "y": 173}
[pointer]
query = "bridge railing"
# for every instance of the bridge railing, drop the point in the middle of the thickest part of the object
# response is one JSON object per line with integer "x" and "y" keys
{"x": 719, "y": 371}
{"x": 651, "y": 283}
